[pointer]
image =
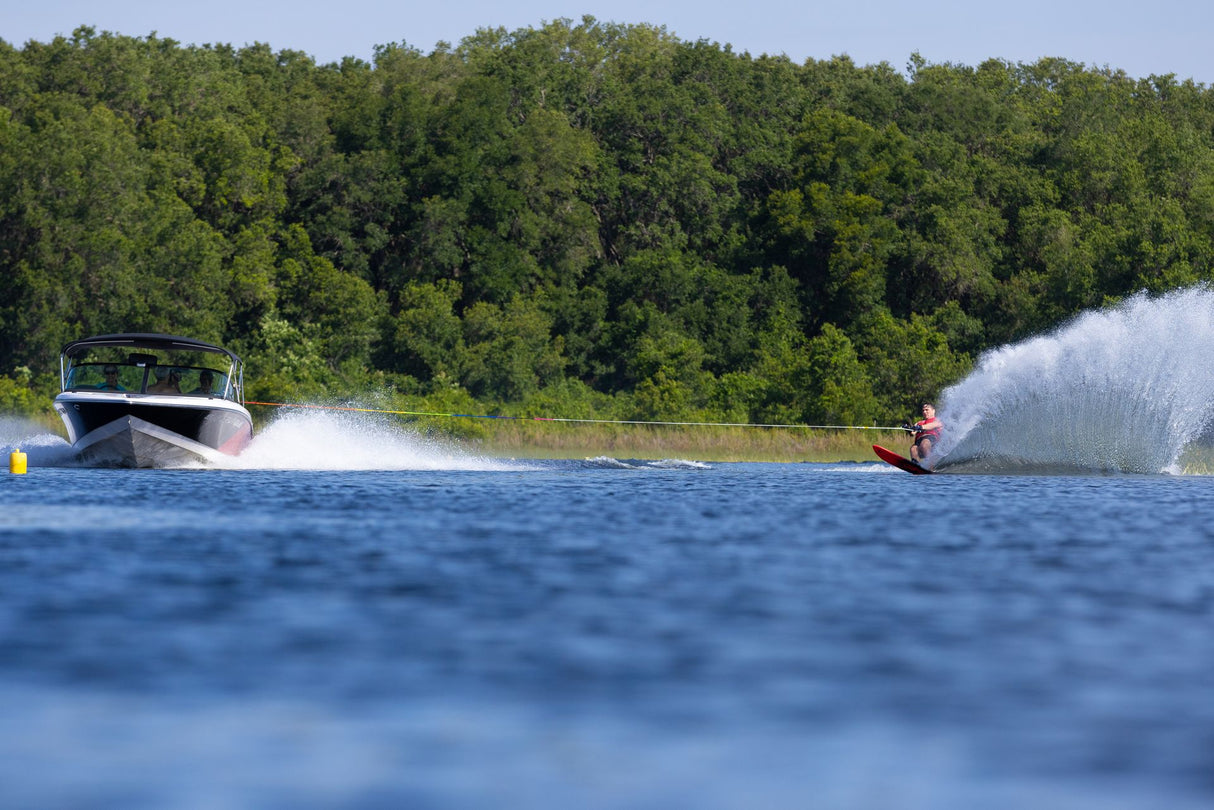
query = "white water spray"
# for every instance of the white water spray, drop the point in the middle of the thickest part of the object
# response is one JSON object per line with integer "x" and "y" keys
{"x": 43, "y": 448}
{"x": 1124, "y": 389}
{"x": 340, "y": 441}
{"x": 295, "y": 441}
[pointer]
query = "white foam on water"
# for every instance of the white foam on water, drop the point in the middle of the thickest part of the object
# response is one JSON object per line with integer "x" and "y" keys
{"x": 864, "y": 467}
{"x": 41, "y": 447}
{"x": 679, "y": 464}
{"x": 294, "y": 441}
{"x": 1119, "y": 390}
{"x": 609, "y": 462}
{"x": 339, "y": 441}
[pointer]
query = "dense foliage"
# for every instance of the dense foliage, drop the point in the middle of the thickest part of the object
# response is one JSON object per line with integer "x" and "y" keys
{"x": 585, "y": 217}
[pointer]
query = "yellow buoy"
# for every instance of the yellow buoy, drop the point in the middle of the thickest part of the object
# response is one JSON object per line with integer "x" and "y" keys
{"x": 16, "y": 462}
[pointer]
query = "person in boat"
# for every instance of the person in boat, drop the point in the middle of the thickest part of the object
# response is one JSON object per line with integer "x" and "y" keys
{"x": 111, "y": 379}
{"x": 927, "y": 434}
{"x": 168, "y": 381}
{"x": 206, "y": 381}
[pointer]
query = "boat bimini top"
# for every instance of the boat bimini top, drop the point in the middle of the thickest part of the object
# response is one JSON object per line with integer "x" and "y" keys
{"x": 151, "y": 363}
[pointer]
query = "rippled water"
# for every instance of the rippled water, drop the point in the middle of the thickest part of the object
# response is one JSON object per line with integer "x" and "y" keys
{"x": 351, "y": 615}
{"x": 449, "y": 631}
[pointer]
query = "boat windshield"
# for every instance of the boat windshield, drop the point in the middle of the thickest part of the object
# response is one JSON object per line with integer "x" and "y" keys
{"x": 185, "y": 373}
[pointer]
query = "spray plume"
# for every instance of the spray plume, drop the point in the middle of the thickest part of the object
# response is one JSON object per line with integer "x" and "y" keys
{"x": 1124, "y": 389}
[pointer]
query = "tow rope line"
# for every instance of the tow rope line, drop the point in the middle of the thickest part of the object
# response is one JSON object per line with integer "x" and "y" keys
{"x": 565, "y": 419}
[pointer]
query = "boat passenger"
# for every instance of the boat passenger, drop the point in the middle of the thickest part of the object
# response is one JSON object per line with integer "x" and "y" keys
{"x": 111, "y": 379}
{"x": 927, "y": 433}
{"x": 168, "y": 381}
{"x": 206, "y": 380}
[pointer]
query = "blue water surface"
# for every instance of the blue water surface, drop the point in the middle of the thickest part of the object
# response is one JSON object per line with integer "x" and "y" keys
{"x": 599, "y": 634}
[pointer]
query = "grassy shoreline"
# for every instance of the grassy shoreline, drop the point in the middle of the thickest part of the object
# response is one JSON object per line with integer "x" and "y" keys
{"x": 694, "y": 443}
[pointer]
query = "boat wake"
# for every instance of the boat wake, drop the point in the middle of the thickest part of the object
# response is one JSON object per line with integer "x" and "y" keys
{"x": 608, "y": 462}
{"x": 314, "y": 440}
{"x": 293, "y": 441}
{"x": 1126, "y": 389}
{"x": 41, "y": 447}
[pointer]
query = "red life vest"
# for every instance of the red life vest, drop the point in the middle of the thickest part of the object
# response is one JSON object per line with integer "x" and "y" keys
{"x": 932, "y": 433}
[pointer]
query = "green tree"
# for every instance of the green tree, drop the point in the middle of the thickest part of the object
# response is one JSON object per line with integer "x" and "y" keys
{"x": 429, "y": 341}
{"x": 510, "y": 350}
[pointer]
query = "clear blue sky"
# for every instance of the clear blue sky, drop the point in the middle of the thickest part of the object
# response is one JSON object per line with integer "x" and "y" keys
{"x": 1142, "y": 38}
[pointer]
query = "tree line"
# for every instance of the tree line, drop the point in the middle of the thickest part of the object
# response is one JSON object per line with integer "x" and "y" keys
{"x": 584, "y": 218}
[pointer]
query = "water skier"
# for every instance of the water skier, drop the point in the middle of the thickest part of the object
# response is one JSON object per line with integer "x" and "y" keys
{"x": 927, "y": 433}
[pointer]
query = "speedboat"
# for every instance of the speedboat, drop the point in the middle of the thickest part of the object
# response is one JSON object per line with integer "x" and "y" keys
{"x": 148, "y": 400}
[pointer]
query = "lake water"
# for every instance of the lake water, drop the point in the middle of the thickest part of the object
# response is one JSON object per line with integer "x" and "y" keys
{"x": 354, "y": 617}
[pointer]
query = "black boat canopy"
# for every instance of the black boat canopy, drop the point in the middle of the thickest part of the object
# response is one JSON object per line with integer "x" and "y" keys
{"x": 145, "y": 340}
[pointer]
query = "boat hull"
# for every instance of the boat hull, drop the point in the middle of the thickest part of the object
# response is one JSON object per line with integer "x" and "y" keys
{"x": 131, "y": 430}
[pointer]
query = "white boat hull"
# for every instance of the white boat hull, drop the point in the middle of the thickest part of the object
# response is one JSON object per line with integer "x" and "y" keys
{"x": 133, "y": 442}
{"x": 133, "y": 430}
{"x": 151, "y": 400}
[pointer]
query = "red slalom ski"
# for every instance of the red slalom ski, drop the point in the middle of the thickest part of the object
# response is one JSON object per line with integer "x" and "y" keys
{"x": 890, "y": 457}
